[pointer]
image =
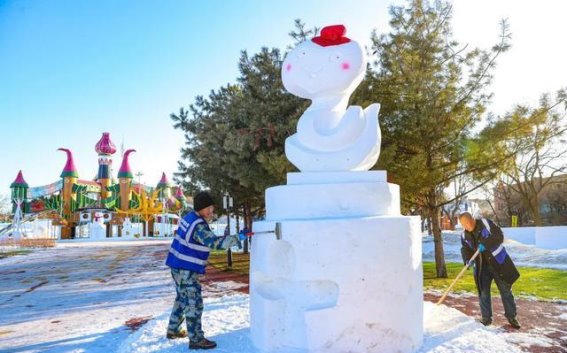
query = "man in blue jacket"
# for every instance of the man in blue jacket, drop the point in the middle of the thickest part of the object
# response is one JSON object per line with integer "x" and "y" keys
{"x": 187, "y": 258}
{"x": 492, "y": 264}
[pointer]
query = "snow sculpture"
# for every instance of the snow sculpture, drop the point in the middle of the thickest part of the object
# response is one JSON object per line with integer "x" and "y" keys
{"x": 329, "y": 136}
{"x": 345, "y": 273}
{"x": 97, "y": 229}
{"x": 128, "y": 230}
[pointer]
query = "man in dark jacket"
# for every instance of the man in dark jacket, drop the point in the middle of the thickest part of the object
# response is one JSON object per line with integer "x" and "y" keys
{"x": 187, "y": 258}
{"x": 493, "y": 263}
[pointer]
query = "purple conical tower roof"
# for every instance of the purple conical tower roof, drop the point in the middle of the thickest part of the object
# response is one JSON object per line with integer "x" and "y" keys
{"x": 163, "y": 182}
{"x": 19, "y": 182}
{"x": 179, "y": 193}
{"x": 125, "y": 171}
{"x": 104, "y": 145}
{"x": 69, "y": 170}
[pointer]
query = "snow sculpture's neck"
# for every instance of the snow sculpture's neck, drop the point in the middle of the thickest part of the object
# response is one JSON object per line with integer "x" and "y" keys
{"x": 333, "y": 102}
{"x": 328, "y": 111}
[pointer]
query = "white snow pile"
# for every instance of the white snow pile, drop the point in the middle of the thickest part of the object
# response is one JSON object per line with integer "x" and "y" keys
{"x": 226, "y": 320}
{"x": 521, "y": 254}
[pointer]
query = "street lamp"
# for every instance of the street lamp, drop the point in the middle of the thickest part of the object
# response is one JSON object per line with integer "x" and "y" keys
{"x": 227, "y": 203}
{"x": 139, "y": 175}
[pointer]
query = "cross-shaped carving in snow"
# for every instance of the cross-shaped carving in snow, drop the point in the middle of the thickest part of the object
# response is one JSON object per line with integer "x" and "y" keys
{"x": 298, "y": 296}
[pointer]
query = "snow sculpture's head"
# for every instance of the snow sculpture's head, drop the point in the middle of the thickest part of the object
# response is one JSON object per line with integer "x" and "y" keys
{"x": 327, "y": 65}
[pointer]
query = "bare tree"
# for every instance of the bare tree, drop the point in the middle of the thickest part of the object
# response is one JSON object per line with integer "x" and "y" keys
{"x": 541, "y": 153}
{"x": 554, "y": 200}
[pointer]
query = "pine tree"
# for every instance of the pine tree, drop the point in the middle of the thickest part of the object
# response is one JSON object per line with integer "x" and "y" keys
{"x": 433, "y": 92}
{"x": 235, "y": 137}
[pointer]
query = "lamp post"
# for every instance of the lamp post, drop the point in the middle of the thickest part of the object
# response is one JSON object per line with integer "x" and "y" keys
{"x": 227, "y": 204}
{"x": 139, "y": 175}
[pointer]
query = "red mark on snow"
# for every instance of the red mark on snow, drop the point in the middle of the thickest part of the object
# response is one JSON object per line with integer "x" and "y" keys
{"x": 345, "y": 65}
{"x": 135, "y": 323}
{"x": 288, "y": 67}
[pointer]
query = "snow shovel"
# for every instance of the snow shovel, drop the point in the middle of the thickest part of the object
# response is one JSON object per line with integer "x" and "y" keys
{"x": 469, "y": 263}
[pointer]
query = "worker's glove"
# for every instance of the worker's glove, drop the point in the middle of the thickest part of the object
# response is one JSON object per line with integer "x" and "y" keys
{"x": 230, "y": 241}
{"x": 481, "y": 248}
{"x": 243, "y": 233}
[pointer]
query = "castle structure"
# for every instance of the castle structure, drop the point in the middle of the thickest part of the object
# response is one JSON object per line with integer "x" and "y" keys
{"x": 75, "y": 204}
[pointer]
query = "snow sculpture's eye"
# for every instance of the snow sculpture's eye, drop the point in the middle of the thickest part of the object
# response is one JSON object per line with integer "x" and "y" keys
{"x": 335, "y": 57}
{"x": 301, "y": 54}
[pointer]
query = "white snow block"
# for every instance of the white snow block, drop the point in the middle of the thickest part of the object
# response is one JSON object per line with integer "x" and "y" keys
{"x": 374, "y": 176}
{"x": 332, "y": 200}
{"x": 553, "y": 238}
{"x": 350, "y": 281}
{"x": 338, "y": 285}
{"x": 524, "y": 235}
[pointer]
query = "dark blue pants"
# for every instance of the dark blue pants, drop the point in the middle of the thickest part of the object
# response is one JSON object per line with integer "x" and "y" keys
{"x": 486, "y": 276}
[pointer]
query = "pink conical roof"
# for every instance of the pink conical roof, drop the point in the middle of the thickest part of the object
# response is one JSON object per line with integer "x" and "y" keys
{"x": 170, "y": 203}
{"x": 125, "y": 171}
{"x": 179, "y": 193}
{"x": 104, "y": 145}
{"x": 163, "y": 181}
{"x": 69, "y": 170}
{"x": 19, "y": 182}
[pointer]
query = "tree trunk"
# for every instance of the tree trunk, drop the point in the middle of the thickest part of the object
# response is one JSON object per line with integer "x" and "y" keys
{"x": 494, "y": 213}
{"x": 538, "y": 222}
{"x": 247, "y": 224}
{"x": 441, "y": 268}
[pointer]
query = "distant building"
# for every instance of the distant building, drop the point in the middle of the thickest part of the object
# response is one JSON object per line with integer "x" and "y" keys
{"x": 551, "y": 200}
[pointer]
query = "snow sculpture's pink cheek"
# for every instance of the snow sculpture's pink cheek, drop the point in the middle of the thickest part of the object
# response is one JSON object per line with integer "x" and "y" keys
{"x": 345, "y": 65}
{"x": 288, "y": 67}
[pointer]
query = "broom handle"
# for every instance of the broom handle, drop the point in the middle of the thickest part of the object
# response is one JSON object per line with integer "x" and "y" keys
{"x": 459, "y": 276}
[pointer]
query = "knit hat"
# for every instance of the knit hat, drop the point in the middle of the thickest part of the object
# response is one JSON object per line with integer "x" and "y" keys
{"x": 202, "y": 200}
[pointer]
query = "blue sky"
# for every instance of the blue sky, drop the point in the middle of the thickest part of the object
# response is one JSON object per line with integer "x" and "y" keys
{"x": 70, "y": 70}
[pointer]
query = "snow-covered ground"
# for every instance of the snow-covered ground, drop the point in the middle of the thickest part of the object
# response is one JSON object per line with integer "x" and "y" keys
{"x": 82, "y": 296}
{"x": 86, "y": 296}
{"x": 521, "y": 254}
{"x": 77, "y": 297}
{"x": 226, "y": 320}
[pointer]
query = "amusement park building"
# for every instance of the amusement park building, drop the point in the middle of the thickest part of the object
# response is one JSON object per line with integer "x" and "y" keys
{"x": 75, "y": 204}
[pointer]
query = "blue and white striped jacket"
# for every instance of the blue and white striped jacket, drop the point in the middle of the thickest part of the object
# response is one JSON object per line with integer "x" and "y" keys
{"x": 185, "y": 252}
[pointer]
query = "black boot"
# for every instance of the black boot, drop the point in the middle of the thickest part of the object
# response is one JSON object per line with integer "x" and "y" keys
{"x": 486, "y": 321}
{"x": 202, "y": 344}
{"x": 514, "y": 323}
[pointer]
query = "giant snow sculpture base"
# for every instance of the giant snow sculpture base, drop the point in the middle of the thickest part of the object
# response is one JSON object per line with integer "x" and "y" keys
{"x": 345, "y": 273}
{"x": 350, "y": 283}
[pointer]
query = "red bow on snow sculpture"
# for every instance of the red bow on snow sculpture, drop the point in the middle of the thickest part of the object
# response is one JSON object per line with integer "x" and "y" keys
{"x": 332, "y": 35}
